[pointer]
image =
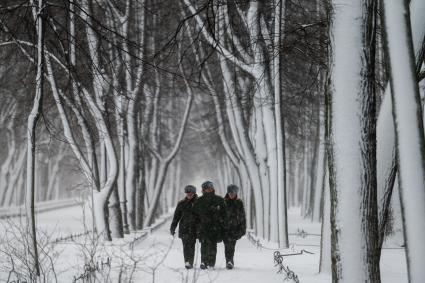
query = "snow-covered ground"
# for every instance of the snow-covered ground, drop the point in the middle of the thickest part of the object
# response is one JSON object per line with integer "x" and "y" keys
{"x": 158, "y": 256}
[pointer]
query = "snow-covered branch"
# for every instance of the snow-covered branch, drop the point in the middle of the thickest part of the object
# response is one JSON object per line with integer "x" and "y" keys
{"x": 214, "y": 43}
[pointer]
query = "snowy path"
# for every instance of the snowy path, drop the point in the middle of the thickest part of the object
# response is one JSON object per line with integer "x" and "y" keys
{"x": 159, "y": 258}
{"x": 251, "y": 264}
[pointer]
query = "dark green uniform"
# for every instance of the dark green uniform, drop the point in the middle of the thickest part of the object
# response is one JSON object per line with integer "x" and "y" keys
{"x": 210, "y": 212}
{"x": 184, "y": 214}
{"x": 235, "y": 225}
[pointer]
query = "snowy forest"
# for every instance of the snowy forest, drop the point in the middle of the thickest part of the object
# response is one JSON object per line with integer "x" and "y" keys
{"x": 313, "y": 108}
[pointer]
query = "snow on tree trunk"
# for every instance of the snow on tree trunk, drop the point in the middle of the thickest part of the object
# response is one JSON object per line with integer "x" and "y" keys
{"x": 386, "y": 162}
{"x": 169, "y": 187}
{"x": 140, "y": 194}
{"x": 283, "y": 193}
{"x": 321, "y": 172}
{"x": 257, "y": 137}
{"x": 121, "y": 132}
{"x": 133, "y": 86}
{"x": 115, "y": 214}
{"x": 408, "y": 123}
{"x": 65, "y": 123}
{"x": 39, "y": 17}
{"x": 240, "y": 134}
{"x": 96, "y": 105}
{"x": 265, "y": 144}
{"x": 237, "y": 158}
{"x": 122, "y": 183}
{"x": 352, "y": 135}
{"x": 133, "y": 165}
{"x": 314, "y": 168}
{"x": 306, "y": 187}
{"x": 100, "y": 199}
{"x": 261, "y": 153}
{"x": 164, "y": 162}
{"x": 270, "y": 135}
{"x": 325, "y": 264}
{"x": 157, "y": 190}
{"x": 417, "y": 20}
{"x": 296, "y": 178}
{"x": 282, "y": 219}
{"x": 152, "y": 171}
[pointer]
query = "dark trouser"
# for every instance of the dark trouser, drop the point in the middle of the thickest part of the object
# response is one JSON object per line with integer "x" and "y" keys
{"x": 208, "y": 251}
{"x": 229, "y": 249}
{"x": 189, "y": 250}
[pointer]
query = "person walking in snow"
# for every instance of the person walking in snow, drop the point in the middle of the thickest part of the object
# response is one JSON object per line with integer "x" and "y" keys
{"x": 210, "y": 212}
{"x": 185, "y": 217}
{"x": 235, "y": 223}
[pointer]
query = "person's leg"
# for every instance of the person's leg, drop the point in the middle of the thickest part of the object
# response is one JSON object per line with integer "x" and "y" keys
{"x": 229, "y": 251}
{"x": 232, "y": 245}
{"x": 189, "y": 250}
{"x": 212, "y": 253}
{"x": 204, "y": 251}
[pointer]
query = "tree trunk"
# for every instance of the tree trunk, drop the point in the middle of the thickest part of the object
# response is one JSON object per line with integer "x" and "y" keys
{"x": 121, "y": 184}
{"x": 321, "y": 171}
{"x": 407, "y": 111}
{"x": 115, "y": 214}
{"x": 355, "y": 256}
{"x": 31, "y": 133}
{"x": 306, "y": 180}
{"x": 325, "y": 264}
{"x": 386, "y": 155}
{"x": 165, "y": 162}
{"x": 140, "y": 193}
{"x": 282, "y": 220}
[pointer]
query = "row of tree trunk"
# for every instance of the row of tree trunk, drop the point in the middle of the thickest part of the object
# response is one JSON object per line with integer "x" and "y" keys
{"x": 365, "y": 150}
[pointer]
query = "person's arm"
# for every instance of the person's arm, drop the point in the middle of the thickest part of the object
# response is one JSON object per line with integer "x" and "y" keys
{"x": 223, "y": 216}
{"x": 197, "y": 218}
{"x": 176, "y": 219}
{"x": 243, "y": 219}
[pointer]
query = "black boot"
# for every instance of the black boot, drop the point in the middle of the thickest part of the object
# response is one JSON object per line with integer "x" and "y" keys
{"x": 188, "y": 265}
{"x": 229, "y": 264}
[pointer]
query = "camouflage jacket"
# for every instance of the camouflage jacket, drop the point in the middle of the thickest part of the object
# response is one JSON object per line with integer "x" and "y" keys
{"x": 210, "y": 213}
{"x": 185, "y": 217}
{"x": 235, "y": 218}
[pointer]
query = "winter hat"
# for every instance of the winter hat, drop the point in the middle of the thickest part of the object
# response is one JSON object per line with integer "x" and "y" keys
{"x": 190, "y": 189}
{"x": 232, "y": 189}
{"x": 207, "y": 185}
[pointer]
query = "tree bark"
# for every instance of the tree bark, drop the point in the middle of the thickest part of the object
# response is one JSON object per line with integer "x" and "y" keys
{"x": 410, "y": 144}
{"x": 355, "y": 256}
{"x": 386, "y": 155}
{"x": 31, "y": 132}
